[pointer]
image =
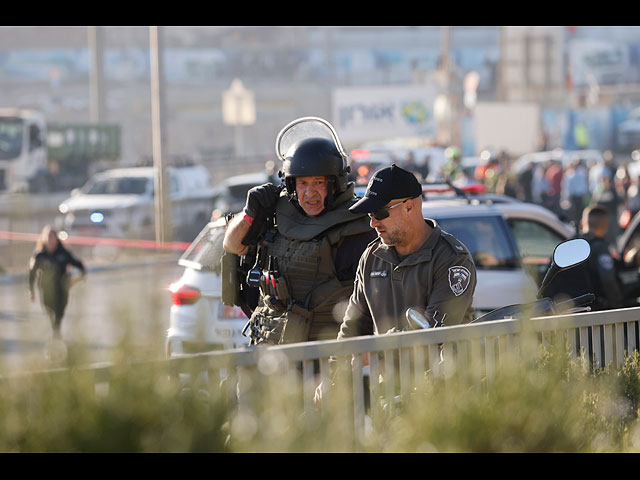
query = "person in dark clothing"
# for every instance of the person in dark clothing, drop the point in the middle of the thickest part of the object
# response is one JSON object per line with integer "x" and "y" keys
{"x": 600, "y": 267}
{"x": 48, "y": 266}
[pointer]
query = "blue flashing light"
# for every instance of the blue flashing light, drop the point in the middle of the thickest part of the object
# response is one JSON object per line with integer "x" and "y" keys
{"x": 96, "y": 217}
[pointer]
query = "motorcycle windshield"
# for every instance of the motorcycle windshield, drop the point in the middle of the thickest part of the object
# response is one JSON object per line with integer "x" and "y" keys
{"x": 305, "y": 127}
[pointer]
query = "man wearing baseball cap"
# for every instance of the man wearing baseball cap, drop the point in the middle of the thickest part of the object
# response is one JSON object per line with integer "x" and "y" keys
{"x": 412, "y": 263}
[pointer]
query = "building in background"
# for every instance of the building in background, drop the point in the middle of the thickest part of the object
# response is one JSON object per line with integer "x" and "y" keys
{"x": 575, "y": 75}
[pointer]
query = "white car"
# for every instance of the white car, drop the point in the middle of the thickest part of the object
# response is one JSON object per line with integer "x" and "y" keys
{"x": 120, "y": 203}
{"x": 199, "y": 321}
{"x": 511, "y": 243}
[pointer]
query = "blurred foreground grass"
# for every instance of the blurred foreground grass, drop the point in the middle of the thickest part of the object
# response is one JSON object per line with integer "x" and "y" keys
{"x": 555, "y": 404}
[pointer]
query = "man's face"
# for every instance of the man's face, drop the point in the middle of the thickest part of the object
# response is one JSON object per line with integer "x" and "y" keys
{"x": 312, "y": 192}
{"x": 393, "y": 229}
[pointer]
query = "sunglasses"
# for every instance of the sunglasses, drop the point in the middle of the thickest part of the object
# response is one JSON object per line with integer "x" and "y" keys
{"x": 383, "y": 212}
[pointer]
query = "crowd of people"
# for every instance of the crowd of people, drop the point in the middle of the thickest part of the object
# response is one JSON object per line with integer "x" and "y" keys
{"x": 564, "y": 187}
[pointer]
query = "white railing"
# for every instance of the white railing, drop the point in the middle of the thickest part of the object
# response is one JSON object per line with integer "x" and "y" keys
{"x": 604, "y": 338}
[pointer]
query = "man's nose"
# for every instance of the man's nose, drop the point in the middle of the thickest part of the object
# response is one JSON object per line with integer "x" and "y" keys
{"x": 310, "y": 191}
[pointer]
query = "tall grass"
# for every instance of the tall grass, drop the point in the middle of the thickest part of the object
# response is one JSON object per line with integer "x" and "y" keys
{"x": 554, "y": 404}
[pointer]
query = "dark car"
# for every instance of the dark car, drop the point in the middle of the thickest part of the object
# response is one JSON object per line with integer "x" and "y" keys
{"x": 629, "y": 262}
{"x": 231, "y": 194}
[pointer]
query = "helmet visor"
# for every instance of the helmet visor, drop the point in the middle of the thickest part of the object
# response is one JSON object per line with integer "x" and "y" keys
{"x": 302, "y": 128}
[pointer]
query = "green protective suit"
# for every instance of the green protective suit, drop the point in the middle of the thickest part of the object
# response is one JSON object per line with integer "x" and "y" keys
{"x": 309, "y": 297}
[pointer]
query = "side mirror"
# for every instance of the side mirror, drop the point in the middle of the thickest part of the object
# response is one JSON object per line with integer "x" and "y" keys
{"x": 416, "y": 320}
{"x": 567, "y": 254}
{"x": 571, "y": 253}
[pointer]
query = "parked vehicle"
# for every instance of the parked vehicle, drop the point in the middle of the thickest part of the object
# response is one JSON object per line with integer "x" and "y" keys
{"x": 628, "y": 261}
{"x": 231, "y": 194}
{"x": 120, "y": 203}
{"x": 371, "y": 156}
{"x": 510, "y": 241}
{"x": 566, "y": 255}
{"x": 39, "y": 156}
{"x": 199, "y": 321}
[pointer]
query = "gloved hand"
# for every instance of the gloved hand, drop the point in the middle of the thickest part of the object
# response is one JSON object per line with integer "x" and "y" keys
{"x": 261, "y": 204}
{"x": 262, "y": 200}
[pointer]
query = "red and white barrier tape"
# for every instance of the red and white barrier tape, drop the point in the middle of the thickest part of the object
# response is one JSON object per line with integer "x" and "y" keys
{"x": 118, "y": 242}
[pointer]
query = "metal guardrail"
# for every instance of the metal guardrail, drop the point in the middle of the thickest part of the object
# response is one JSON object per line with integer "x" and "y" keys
{"x": 604, "y": 338}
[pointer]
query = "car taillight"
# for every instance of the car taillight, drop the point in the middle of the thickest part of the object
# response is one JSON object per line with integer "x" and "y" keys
{"x": 182, "y": 294}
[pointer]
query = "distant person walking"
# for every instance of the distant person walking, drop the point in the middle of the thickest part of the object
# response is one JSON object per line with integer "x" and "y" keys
{"x": 48, "y": 266}
{"x": 575, "y": 190}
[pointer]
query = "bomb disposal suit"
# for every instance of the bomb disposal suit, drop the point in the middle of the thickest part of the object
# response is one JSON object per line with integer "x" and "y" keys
{"x": 305, "y": 264}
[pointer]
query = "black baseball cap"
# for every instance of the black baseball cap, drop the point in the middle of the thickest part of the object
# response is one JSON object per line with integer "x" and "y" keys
{"x": 385, "y": 185}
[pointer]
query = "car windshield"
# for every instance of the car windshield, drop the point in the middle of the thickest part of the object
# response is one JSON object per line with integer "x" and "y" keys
{"x": 118, "y": 185}
{"x": 10, "y": 137}
{"x": 485, "y": 238}
{"x": 240, "y": 191}
{"x": 206, "y": 250}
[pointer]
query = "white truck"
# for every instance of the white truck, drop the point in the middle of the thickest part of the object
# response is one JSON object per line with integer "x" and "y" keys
{"x": 119, "y": 203}
{"x": 38, "y": 156}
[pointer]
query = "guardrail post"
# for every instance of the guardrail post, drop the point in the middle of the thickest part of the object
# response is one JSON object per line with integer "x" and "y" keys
{"x": 358, "y": 399}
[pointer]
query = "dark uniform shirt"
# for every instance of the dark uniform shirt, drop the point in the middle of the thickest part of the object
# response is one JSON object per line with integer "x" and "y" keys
{"x": 602, "y": 275}
{"x": 439, "y": 279}
{"x": 52, "y": 281}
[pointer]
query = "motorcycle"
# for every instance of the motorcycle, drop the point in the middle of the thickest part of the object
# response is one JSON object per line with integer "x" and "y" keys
{"x": 566, "y": 255}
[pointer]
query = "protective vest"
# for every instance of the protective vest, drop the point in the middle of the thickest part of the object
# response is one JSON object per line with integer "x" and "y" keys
{"x": 299, "y": 285}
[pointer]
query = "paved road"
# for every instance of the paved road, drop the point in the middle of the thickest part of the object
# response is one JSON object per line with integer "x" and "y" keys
{"x": 109, "y": 309}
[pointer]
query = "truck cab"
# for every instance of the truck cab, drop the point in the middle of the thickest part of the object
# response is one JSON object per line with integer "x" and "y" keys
{"x": 23, "y": 150}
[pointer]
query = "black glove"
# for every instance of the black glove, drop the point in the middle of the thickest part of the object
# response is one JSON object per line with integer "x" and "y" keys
{"x": 262, "y": 200}
{"x": 261, "y": 204}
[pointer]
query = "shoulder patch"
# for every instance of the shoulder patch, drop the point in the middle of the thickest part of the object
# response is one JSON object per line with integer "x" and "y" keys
{"x": 605, "y": 261}
{"x": 459, "y": 279}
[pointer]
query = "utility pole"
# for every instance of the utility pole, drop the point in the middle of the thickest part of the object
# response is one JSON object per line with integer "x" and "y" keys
{"x": 96, "y": 74}
{"x": 162, "y": 204}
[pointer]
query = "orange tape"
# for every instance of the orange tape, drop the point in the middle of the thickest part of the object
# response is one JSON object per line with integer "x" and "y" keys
{"x": 118, "y": 242}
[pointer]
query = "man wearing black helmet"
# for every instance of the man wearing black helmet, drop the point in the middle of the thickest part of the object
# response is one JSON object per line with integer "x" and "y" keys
{"x": 306, "y": 241}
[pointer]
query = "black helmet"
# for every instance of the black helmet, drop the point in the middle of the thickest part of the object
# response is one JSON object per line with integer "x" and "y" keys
{"x": 310, "y": 147}
{"x": 313, "y": 157}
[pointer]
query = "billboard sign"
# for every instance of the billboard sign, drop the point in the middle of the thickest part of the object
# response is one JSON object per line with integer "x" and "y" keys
{"x": 368, "y": 113}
